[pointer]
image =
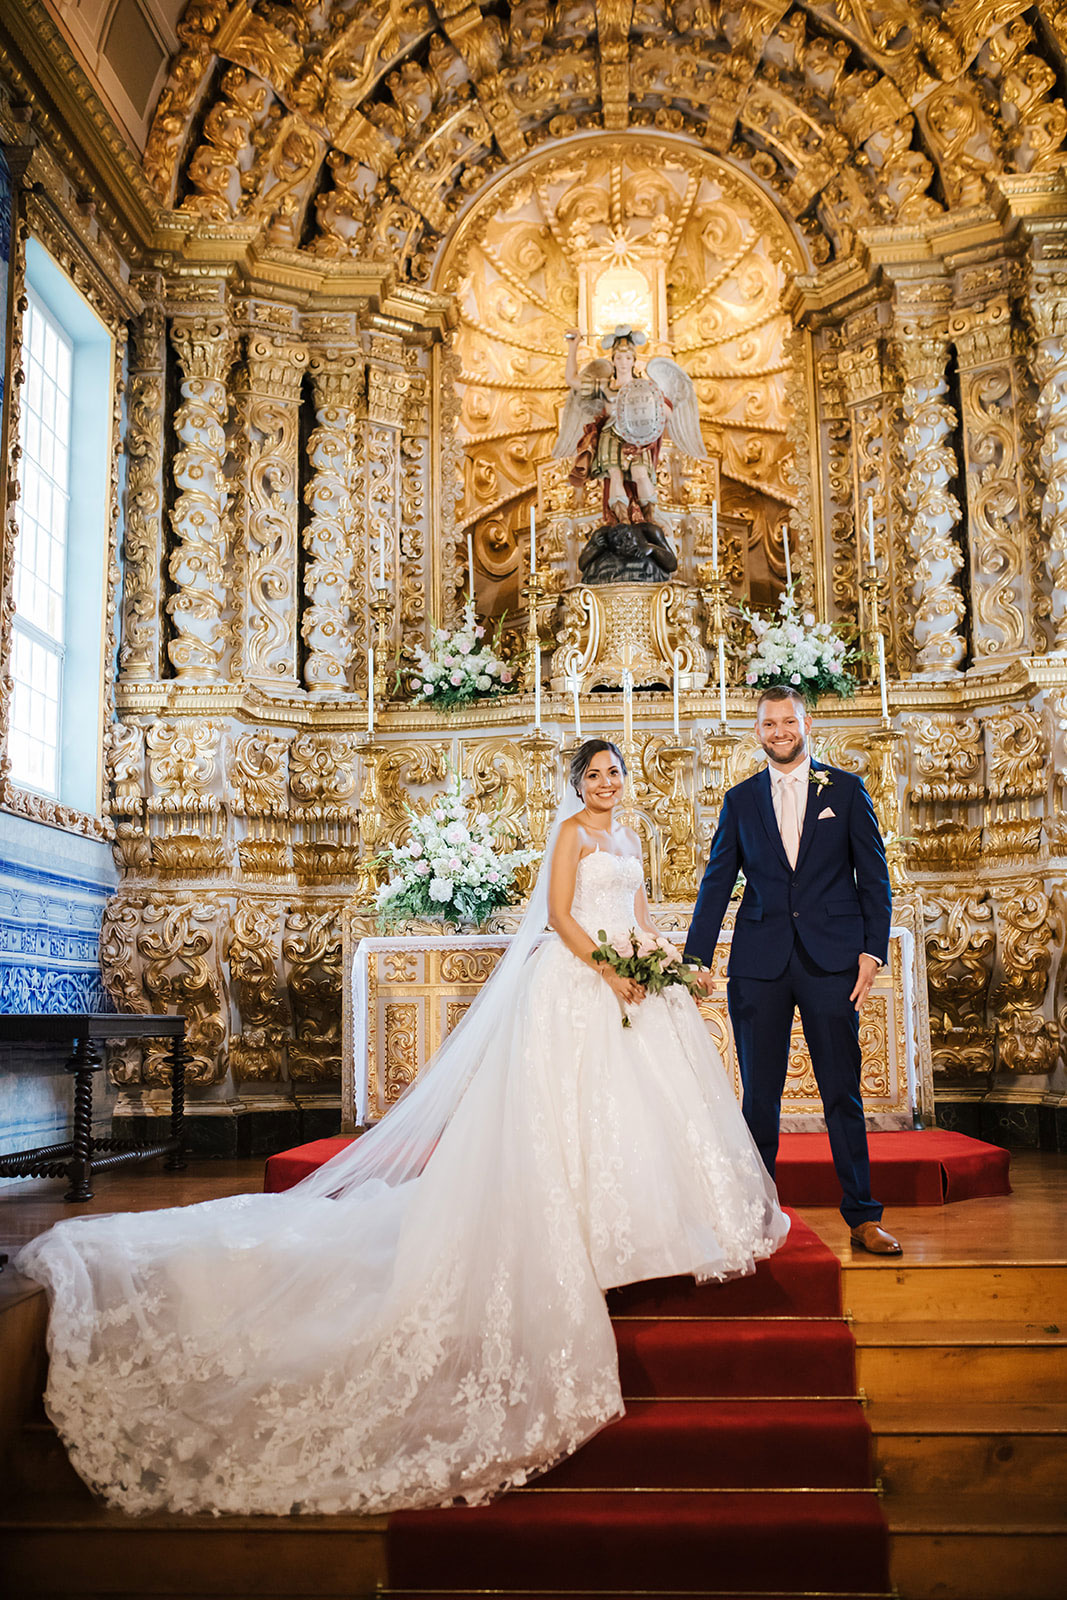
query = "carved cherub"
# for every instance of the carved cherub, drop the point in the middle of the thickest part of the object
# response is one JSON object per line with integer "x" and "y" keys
{"x": 614, "y": 421}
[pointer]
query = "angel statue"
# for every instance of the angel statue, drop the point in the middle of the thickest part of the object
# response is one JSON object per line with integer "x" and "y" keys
{"x": 614, "y": 421}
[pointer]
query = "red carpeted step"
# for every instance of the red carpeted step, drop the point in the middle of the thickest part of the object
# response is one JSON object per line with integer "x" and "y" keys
{"x": 924, "y": 1167}
{"x": 735, "y": 1357}
{"x": 724, "y": 1444}
{"x": 794, "y": 1541}
{"x": 802, "y": 1279}
{"x": 289, "y": 1166}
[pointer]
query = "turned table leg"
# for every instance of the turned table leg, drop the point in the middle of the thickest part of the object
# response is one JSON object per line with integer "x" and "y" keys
{"x": 82, "y": 1064}
{"x": 179, "y": 1055}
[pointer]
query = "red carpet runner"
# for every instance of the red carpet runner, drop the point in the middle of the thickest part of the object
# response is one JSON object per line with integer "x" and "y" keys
{"x": 907, "y": 1169}
{"x": 742, "y": 1466}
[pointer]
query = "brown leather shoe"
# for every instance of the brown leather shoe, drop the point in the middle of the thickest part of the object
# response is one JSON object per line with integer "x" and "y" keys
{"x": 873, "y": 1237}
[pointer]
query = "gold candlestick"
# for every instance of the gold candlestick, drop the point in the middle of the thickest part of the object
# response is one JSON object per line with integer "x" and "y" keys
{"x": 716, "y": 596}
{"x": 679, "y": 872}
{"x": 381, "y": 609}
{"x": 533, "y": 592}
{"x": 717, "y": 758}
{"x": 884, "y": 751}
{"x": 371, "y": 823}
{"x": 870, "y": 620}
{"x": 539, "y": 768}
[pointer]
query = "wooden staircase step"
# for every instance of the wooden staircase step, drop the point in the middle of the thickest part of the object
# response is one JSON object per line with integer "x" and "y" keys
{"x": 53, "y": 1546}
{"x": 1033, "y": 1465}
{"x": 1020, "y": 1362}
{"x": 1011, "y": 1292}
{"x": 964, "y": 1563}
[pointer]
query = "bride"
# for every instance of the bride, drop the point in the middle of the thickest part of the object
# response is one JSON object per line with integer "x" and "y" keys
{"x": 423, "y": 1318}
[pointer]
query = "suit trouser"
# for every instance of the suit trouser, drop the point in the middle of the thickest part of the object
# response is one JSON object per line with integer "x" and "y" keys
{"x": 761, "y": 1013}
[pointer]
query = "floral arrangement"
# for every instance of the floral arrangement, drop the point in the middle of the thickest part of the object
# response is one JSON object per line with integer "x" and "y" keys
{"x": 649, "y": 959}
{"x": 451, "y": 867}
{"x": 462, "y": 666}
{"x": 792, "y": 648}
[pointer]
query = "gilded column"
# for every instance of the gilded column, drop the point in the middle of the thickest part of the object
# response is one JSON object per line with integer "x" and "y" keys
{"x": 268, "y": 402}
{"x": 872, "y": 391}
{"x": 991, "y": 397}
{"x": 939, "y": 605}
{"x": 142, "y": 551}
{"x": 197, "y": 562}
{"x": 326, "y": 624}
{"x": 1048, "y": 311}
{"x": 415, "y": 526}
{"x": 387, "y": 388}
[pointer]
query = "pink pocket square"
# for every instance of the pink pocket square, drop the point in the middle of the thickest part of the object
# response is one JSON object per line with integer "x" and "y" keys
{"x": 826, "y": 813}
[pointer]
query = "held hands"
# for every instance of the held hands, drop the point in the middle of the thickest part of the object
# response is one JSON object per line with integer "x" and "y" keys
{"x": 868, "y": 971}
{"x": 629, "y": 992}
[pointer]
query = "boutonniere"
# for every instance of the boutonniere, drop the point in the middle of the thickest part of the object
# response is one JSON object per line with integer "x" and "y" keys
{"x": 821, "y": 780}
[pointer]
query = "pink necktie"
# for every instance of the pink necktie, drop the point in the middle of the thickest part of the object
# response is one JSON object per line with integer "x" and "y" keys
{"x": 790, "y": 820}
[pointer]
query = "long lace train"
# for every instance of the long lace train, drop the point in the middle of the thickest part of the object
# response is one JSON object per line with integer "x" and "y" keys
{"x": 414, "y": 1342}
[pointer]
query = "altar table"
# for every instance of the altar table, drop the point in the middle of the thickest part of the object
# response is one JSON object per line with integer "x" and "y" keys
{"x": 402, "y": 995}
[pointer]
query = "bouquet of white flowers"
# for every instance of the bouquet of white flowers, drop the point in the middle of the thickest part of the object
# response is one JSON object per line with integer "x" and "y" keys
{"x": 462, "y": 666}
{"x": 451, "y": 867}
{"x": 792, "y": 648}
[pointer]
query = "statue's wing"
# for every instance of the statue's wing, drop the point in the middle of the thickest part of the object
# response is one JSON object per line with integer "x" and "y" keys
{"x": 583, "y": 406}
{"x": 684, "y": 422}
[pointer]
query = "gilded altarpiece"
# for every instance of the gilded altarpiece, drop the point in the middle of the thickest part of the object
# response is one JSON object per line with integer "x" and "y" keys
{"x": 357, "y": 237}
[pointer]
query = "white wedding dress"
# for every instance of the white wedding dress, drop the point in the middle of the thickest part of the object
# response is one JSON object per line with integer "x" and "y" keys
{"x": 359, "y": 1344}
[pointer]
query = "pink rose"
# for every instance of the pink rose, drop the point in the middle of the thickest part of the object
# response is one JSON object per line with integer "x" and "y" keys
{"x": 623, "y": 947}
{"x": 505, "y": 676}
{"x": 456, "y": 678}
{"x": 647, "y": 946}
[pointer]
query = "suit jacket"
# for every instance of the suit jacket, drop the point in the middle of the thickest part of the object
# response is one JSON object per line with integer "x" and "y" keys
{"x": 837, "y": 900}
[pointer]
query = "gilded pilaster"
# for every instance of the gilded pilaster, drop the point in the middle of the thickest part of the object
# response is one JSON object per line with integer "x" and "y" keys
{"x": 992, "y": 400}
{"x": 326, "y": 624}
{"x": 197, "y": 565}
{"x": 1048, "y": 312}
{"x": 873, "y": 397}
{"x": 939, "y": 605}
{"x": 264, "y": 523}
{"x": 140, "y": 651}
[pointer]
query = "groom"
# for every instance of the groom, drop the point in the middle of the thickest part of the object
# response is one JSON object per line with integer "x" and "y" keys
{"x": 811, "y": 932}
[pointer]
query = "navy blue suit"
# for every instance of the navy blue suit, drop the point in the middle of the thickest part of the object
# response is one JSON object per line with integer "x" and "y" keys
{"x": 798, "y": 937}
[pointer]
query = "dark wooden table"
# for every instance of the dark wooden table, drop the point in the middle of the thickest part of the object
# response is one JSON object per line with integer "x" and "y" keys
{"x": 78, "y": 1157}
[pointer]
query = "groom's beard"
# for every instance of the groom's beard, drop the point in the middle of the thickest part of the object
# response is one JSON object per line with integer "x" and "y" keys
{"x": 782, "y": 755}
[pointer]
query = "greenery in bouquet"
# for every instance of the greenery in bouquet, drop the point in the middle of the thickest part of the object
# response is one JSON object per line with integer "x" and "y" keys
{"x": 462, "y": 666}
{"x": 649, "y": 959}
{"x": 792, "y": 648}
{"x": 452, "y": 867}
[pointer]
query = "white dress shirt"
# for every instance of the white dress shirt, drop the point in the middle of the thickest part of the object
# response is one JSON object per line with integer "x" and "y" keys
{"x": 799, "y": 776}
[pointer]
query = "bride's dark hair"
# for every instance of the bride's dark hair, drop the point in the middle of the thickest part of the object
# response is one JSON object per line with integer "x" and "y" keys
{"x": 581, "y": 758}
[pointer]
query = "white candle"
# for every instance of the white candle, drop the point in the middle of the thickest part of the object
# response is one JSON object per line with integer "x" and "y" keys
{"x": 722, "y": 682}
{"x": 677, "y": 669}
{"x": 537, "y": 685}
{"x": 870, "y": 529}
{"x": 381, "y": 561}
{"x": 715, "y": 536}
{"x": 533, "y": 543}
{"x": 628, "y": 706}
{"x": 470, "y": 564}
{"x": 370, "y": 690}
{"x": 881, "y": 674}
{"x": 785, "y": 546}
{"x": 576, "y": 689}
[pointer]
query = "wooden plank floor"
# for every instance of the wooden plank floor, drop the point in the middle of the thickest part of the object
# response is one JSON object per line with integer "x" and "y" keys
{"x": 1029, "y": 1225}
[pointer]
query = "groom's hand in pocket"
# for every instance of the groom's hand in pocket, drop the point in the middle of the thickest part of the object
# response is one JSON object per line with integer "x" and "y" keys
{"x": 867, "y": 973}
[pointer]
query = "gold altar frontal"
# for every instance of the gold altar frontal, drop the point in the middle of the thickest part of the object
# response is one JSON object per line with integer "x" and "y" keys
{"x": 403, "y": 995}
